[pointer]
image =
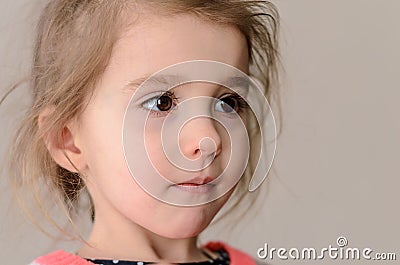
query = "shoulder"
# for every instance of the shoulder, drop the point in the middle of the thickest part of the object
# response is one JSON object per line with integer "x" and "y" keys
{"x": 236, "y": 256}
{"x": 60, "y": 257}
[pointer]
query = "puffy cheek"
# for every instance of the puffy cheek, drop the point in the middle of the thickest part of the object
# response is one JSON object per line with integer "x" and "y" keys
{"x": 116, "y": 186}
{"x": 107, "y": 168}
{"x": 155, "y": 154}
{"x": 134, "y": 204}
{"x": 100, "y": 138}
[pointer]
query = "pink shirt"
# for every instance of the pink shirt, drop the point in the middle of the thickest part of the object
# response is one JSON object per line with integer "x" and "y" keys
{"x": 61, "y": 257}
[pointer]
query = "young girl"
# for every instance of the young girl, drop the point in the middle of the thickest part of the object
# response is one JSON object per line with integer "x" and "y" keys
{"x": 92, "y": 82}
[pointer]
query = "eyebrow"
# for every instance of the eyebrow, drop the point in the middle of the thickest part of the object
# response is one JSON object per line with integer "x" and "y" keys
{"x": 165, "y": 81}
{"x": 239, "y": 81}
{"x": 154, "y": 80}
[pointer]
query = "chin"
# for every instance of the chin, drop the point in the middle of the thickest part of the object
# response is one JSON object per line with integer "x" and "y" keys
{"x": 187, "y": 224}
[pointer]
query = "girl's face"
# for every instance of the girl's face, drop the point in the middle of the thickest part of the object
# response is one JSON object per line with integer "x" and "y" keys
{"x": 149, "y": 45}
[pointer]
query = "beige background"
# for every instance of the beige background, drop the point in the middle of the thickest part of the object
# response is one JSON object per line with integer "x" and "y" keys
{"x": 338, "y": 156}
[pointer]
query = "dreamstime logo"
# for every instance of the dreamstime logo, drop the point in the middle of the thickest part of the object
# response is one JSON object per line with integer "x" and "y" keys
{"x": 146, "y": 135}
{"x": 339, "y": 252}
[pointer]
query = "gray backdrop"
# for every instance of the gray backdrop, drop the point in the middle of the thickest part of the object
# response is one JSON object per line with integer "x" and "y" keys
{"x": 338, "y": 156}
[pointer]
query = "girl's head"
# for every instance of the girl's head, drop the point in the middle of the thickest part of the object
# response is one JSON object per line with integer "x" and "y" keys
{"x": 87, "y": 54}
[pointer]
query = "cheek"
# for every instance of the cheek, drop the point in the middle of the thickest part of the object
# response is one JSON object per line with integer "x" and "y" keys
{"x": 102, "y": 148}
{"x": 103, "y": 156}
{"x": 155, "y": 151}
{"x": 226, "y": 145}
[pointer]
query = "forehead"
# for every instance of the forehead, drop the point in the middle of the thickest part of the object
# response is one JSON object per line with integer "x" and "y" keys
{"x": 152, "y": 42}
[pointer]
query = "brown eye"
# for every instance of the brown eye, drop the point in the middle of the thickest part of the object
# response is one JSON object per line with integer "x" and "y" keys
{"x": 165, "y": 103}
{"x": 231, "y": 103}
{"x": 227, "y": 105}
{"x": 162, "y": 103}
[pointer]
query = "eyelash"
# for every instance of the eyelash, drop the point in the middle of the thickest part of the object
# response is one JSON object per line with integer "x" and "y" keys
{"x": 241, "y": 103}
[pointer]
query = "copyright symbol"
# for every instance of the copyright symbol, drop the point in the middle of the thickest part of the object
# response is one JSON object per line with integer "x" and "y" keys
{"x": 341, "y": 241}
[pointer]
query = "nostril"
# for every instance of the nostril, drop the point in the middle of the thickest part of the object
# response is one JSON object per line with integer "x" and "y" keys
{"x": 197, "y": 153}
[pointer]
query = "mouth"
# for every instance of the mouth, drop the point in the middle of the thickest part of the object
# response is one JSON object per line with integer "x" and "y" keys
{"x": 197, "y": 185}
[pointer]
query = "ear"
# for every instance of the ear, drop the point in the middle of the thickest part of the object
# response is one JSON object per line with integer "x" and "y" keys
{"x": 61, "y": 145}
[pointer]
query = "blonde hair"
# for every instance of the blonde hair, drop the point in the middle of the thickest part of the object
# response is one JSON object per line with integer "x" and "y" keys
{"x": 74, "y": 42}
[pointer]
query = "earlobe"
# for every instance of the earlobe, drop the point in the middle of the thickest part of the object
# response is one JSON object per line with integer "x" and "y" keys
{"x": 61, "y": 144}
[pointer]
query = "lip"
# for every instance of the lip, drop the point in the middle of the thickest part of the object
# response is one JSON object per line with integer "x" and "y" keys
{"x": 197, "y": 181}
{"x": 195, "y": 188}
{"x": 196, "y": 185}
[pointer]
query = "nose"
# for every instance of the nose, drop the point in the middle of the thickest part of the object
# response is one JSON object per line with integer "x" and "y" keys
{"x": 199, "y": 138}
